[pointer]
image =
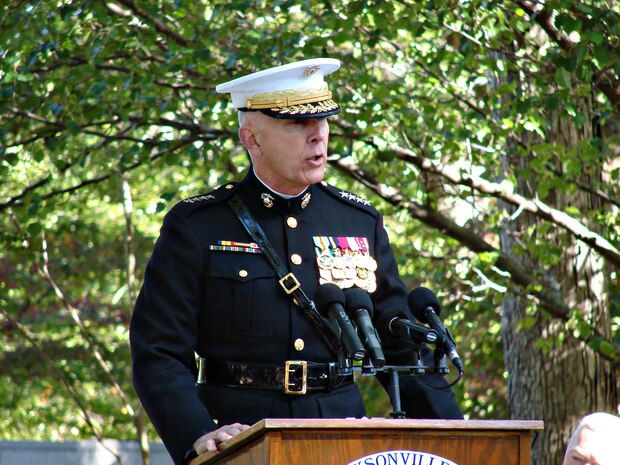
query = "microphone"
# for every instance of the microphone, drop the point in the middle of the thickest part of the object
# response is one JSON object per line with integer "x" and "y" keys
{"x": 401, "y": 327}
{"x": 359, "y": 307}
{"x": 330, "y": 299}
{"x": 425, "y": 307}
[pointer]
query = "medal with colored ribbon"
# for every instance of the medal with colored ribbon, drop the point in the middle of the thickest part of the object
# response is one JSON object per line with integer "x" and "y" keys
{"x": 346, "y": 262}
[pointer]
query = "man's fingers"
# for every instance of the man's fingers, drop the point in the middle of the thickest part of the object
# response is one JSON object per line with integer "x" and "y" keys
{"x": 210, "y": 442}
{"x": 211, "y": 445}
{"x": 223, "y": 436}
{"x": 237, "y": 428}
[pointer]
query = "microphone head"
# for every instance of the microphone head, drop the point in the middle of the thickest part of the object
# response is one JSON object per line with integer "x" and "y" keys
{"x": 357, "y": 298}
{"x": 419, "y": 300}
{"x": 327, "y": 294}
{"x": 384, "y": 320}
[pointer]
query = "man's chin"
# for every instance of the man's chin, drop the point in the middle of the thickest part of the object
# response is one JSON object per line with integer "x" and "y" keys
{"x": 315, "y": 176}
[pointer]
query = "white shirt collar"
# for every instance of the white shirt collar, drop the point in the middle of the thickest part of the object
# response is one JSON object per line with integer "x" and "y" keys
{"x": 284, "y": 196}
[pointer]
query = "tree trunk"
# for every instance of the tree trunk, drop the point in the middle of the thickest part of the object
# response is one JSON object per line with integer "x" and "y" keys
{"x": 551, "y": 375}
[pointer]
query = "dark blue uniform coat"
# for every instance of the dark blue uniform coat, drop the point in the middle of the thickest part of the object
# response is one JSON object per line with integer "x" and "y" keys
{"x": 228, "y": 307}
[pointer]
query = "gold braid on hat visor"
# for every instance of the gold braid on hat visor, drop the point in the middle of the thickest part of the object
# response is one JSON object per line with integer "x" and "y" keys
{"x": 293, "y": 102}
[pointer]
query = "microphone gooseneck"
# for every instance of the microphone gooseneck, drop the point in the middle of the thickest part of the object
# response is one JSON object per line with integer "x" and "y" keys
{"x": 360, "y": 308}
{"x": 330, "y": 301}
{"x": 426, "y": 308}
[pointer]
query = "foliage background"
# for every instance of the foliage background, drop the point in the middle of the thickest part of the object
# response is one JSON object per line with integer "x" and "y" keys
{"x": 108, "y": 116}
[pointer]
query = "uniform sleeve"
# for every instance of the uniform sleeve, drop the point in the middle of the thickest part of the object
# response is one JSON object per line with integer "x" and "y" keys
{"x": 391, "y": 292}
{"x": 426, "y": 396}
{"x": 163, "y": 335}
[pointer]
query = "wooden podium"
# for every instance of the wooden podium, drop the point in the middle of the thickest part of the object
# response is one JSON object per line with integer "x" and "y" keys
{"x": 341, "y": 442}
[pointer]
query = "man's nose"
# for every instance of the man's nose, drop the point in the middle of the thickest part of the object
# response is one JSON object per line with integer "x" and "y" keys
{"x": 318, "y": 130}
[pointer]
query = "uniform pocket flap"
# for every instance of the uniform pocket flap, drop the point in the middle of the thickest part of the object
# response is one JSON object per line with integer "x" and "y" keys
{"x": 240, "y": 267}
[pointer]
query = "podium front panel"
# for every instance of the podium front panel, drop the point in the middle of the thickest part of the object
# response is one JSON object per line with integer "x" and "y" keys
{"x": 343, "y": 442}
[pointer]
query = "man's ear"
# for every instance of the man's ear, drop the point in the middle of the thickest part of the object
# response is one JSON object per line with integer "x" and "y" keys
{"x": 247, "y": 135}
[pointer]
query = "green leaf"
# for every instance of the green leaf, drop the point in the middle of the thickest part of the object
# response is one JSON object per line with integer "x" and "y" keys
{"x": 563, "y": 78}
{"x": 608, "y": 349}
{"x": 473, "y": 92}
{"x": 488, "y": 257}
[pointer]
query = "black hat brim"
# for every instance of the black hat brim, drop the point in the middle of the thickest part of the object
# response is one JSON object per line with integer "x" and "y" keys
{"x": 308, "y": 110}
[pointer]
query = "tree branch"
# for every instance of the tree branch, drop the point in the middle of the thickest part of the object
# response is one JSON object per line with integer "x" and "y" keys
{"x": 524, "y": 278}
{"x": 536, "y": 207}
{"x": 159, "y": 26}
{"x": 15, "y": 201}
{"x": 512, "y": 136}
{"x": 504, "y": 192}
{"x": 64, "y": 379}
{"x": 130, "y": 276}
{"x": 605, "y": 80}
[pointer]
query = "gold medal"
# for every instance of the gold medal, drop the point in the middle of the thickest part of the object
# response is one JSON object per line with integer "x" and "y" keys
{"x": 371, "y": 263}
{"x": 338, "y": 273}
{"x": 325, "y": 261}
{"x": 338, "y": 262}
{"x": 350, "y": 272}
{"x": 325, "y": 274}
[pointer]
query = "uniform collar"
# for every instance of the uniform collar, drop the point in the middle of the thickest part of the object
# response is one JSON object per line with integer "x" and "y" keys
{"x": 260, "y": 196}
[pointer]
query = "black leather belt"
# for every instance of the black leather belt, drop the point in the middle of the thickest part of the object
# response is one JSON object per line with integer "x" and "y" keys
{"x": 294, "y": 377}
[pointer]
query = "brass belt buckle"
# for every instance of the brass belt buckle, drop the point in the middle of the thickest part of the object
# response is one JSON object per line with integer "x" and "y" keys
{"x": 293, "y": 366}
{"x": 295, "y": 285}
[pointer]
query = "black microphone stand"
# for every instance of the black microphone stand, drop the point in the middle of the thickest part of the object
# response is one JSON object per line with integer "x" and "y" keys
{"x": 417, "y": 368}
{"x": 394, "y": 394}
{"x": 368, "y": 369}
{"x": 441, "y": 367}
{"x": 345, "y": 366}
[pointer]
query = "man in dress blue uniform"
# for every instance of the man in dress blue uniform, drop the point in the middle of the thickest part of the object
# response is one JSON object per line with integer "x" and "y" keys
{"x": 210, "y": 290}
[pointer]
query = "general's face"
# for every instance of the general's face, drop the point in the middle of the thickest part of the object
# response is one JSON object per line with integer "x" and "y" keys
{"x": 589, "y": 448}
{"x": 288, "y": 154}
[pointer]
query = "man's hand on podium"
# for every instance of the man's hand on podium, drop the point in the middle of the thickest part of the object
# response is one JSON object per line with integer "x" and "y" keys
{"x": 211, "y": 441}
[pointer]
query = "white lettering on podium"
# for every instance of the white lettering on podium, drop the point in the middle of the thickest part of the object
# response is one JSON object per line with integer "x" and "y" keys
{"x": 402, "y": 457}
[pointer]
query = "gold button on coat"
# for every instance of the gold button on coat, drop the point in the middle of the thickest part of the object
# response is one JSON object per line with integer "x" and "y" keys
{"x": 243, "y": 273}
{"x": 292, "y": 222}
{"x": 296, "y": 259}
{"x": 299, "y": 345}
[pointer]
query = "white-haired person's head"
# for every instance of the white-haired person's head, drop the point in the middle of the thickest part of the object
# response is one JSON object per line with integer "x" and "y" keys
{"x": 595, "y": 441}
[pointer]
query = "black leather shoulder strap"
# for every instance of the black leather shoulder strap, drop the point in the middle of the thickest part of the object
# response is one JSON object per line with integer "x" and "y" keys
{"x": 287, "y": 280}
